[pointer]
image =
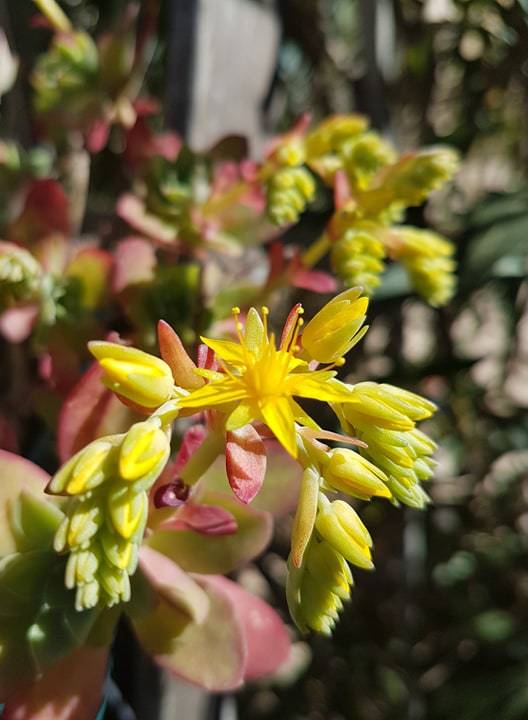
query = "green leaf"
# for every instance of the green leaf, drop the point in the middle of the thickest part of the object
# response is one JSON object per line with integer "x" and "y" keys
{"x": 34, "y": 521}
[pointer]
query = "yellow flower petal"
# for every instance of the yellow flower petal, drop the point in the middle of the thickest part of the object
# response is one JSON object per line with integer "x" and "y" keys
{"x": 278, "y": 416}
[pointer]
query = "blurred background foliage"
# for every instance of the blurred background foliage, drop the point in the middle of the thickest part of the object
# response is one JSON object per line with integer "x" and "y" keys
{"x": 440, "y": 630}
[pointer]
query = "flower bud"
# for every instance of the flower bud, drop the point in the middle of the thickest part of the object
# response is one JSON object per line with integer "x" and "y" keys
{"x": 385, "y": 406}
{"x": 144, "y": 453}
{"x": 340, "y": 526}
{"x": 335, "y": 329}
{"x": 351, "y": 473}
{"x": 87, "y": 469}
{"x": 142, "y": 378}
{"x": 128, "y": 511}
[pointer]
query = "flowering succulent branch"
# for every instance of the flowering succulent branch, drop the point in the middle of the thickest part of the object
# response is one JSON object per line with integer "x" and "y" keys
{"x": 248, "y": 388}
{"x": 189, "y": 255}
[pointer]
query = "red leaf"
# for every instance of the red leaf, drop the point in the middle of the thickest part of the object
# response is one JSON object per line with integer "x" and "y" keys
{"x": 90, "y": 410}
{"x": 265, "y": 635}
{"x": 314, "y": 280}
{"x": 16, "y": 323}
{"x": 191, "y": 441}
{"x": 45, "y": 212}
{"x": 134, "y": 263}
{"x": 204, "y": 519}
{"x": 342, "y": 190}
{"x": 176, "y": 357}
{"x": 206, "y": 358}
{"x": 97, "y": 136}
{"x": 245, "y": 462}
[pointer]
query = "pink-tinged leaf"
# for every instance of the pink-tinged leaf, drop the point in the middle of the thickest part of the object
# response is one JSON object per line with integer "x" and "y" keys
{"x": 196, "y": 552}
{"x": 267, "y": 641}
{"x": 71, "y": 689}
{"x": 193, "y": 437}
{"x": 204, "y": 519}
{"x": 314, "y": 280}
{"x": 45, "y": 212}
{"x": 17, "y": 323}
{"x": 245, "y": 462}
{"x": 92, "y": 267}
{"x": 342, "y": 191}
{"x": 17, "y": 474}
{"x": 280, "y": 488}
{"x": 176, "y": 357}
{"x": 211, "y": 654}
{"x": 206, "y": 358}
{"x": 90, "y": 411}
{"x": 172, "y": 585}
{"x": 96, "y": 136}
{"x": 133, "y": 211}
{"x": 134, "y": 263}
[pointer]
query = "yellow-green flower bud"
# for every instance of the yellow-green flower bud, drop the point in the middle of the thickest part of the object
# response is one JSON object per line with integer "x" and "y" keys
{"x": 357, "y": 258}
{"x": 428, "y": 258}
{"x": 416, "y": 175}
{"x": 142, "y": 378}
{"x": 144, "y": 453}
{"x": 115, "y": 583}
{"x": 80, "y": 527}
{"x": 364, "y": 155}
{"x": 81, "y": 568}
{"x": 326, "y": 143}
{"x": 119, "y": 552}
{"x": 127, "y": 511}
{"x": 87, "y": 595}
{"x": 316, "y": 592}
{"x": 341, "y": 527}
{"x": 349, "y": 472}
{"x": 87, "y": 469}
{"x": 336, "y": 328}
{"x": 289, "y": 190}
{"x": 385, "y": 406}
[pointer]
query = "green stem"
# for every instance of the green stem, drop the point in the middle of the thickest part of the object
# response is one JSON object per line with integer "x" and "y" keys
{"x": 55, "y": 15}
{"x": 203, "y": 458}
{"x": 316, "y": 251}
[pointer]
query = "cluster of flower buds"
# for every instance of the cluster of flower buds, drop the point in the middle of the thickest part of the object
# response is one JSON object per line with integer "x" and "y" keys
{"x": 104, "y": 522}
{"x": 109, "y": 481}
{"x": 290, "y": 186}
{"x": 428, "y": 258}
{"x": 384, "y": 417}
{"x": 357, "y": 253}
{"x": 20, "y": 273}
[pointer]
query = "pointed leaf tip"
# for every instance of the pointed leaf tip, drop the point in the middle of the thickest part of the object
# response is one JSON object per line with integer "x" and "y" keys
{"x": 245, "y": 462}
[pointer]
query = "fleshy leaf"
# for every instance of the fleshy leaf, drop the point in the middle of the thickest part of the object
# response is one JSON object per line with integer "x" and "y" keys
{"x": 51, "y": 698}
{"x": 90, "y": 411}
{"x": 196, "y": 552}
{"x": 16, "y": 323}
{"x": 134, "y": 263}
{"x": 91, "y": 266}
{"x": 17, "y": 475}
{"x": 267, "y": 640}
{"x": 133, "y": 210}
{"x": 172, "y": 585}
{"x": 245, "y": 462}
{"x": 204, "y": 519}
{"x": 175, "y": 355}
{"x": 211, "y": 654}
{"x": 279, "y": 492}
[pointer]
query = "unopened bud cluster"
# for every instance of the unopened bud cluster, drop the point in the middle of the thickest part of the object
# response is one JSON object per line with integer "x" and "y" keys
{"x": 290, "y": 186}
{"x": 104, "y": 523}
